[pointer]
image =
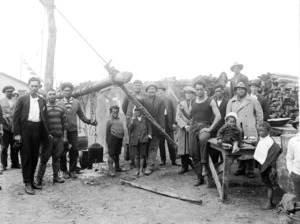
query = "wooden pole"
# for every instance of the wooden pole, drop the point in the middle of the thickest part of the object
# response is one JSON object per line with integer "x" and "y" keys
{"x": 48, "y": 76}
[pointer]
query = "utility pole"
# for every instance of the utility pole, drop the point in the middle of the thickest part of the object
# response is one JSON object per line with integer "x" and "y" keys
{"x": 48, "y": 76}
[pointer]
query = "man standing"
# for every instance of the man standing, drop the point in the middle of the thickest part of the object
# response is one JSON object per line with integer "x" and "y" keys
{"x": 73, "y": 108}
{"x": 57, "y": 121}
{"x": 1, "y": 129}
{"x": 184, "y": 122}
{"x": 254, "y": 85}
{"x": 249, "y": 114}
{"x": 169, "y": 123}
{"x": 8, "y": 105}
{"x": 202, "y": 111}
{"x": 30, "y": 126}
{"x": 237, "y": 77}
{"x": 156, "y": 107}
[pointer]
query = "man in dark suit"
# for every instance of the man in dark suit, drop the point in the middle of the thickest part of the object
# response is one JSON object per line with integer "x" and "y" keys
{"x": 254, "y": 85}
{"x": 156, "y": 107}
{"x": 30, "y": 126}
{"x": 170, "y": 114}
{"x": 237, "y": 77}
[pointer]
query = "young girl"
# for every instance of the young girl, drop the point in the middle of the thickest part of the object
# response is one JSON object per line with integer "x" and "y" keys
{"x": 267, "y": 153}
{"x": 140, "y": 133}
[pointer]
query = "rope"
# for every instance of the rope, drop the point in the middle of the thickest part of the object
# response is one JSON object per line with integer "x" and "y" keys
{"x": 80, "y": 35}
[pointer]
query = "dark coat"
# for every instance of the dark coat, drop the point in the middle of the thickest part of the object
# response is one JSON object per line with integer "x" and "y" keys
{"x": 235, "y": 80}
{"x": 222, "y": 108}
{"x": 139, "y": 130}
{"x": 156, "y": 108}
{"x": 273, "y": 154}
{"x": 264, "y": 105}
{"x": 171, "y": 113}
{"x": 230, "y": 134}
{"x": 21, "y": 114}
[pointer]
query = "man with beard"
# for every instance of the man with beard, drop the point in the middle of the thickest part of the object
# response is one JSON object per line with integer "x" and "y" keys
{"x": 250, "y": 115}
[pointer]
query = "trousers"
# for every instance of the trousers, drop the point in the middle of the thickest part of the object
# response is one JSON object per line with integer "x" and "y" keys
{"x": 152, "y": 151}
{"x": 8, "y": 141}
{"x": 162, "y": 148}
{"x": 73, "y": 153}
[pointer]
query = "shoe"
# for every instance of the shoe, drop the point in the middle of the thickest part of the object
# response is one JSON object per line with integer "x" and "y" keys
{"x": 29, "y": 189}
{"x": 204, "y": 170}
{"x": 163, "y": 163}
{"x": 239, "y": 172}
{"x": 66, "y": 175}
{"x": 37, "y": 186}
{"x": 250, "y": 175}
{"x": 58, "y": 180}
{"x": 73, "y": 175}
{"x": 199, "y": 181}
{"x": 148, "y": 171}
{"x": 119, "y": 169}
{"x": 2, "y": 168}
{"x": 111, "y": 173}
{"x": 183, "y": 170}
{"x": 175, "y": 164}
{"x": 17, "y": 166}
{"x": 191, "y": 164}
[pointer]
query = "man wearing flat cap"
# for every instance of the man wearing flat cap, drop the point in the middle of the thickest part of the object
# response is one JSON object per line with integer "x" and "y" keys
{"x": 237, "y": 77}
{"x": 254, "y": 85}
{"x": 156, "y": 107}
{"x": 8, "y": 105}
{"x": 250, "y": 114}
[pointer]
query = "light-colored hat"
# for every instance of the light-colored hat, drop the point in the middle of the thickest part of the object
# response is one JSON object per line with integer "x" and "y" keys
{"x": 151, "y": 85}
{"x": 295, "y": 122}
{"x": 240, "y": 85}
{"x": 231, "y": 114}
{"x": 236, "y": 64}
{"x": 189, "y": 89}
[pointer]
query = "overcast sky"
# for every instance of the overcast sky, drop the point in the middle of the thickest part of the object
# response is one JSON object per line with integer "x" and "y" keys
{"x": 153, "y": 39}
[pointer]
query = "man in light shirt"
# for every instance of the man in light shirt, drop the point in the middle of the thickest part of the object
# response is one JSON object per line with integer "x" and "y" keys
{"x": 30, "y": 126}
{"x": 293, "y": 160}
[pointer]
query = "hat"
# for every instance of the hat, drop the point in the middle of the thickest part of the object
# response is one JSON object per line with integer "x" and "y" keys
{"x": 295, "y": 122}
{"x": 231, "y": 114}
{"x": 240, "y": 85}
{"x": 236, "y": 64}
{"x": 189, "y": 89}
{"x": 137, "y": 82}
{"x": 151, "y": 85}
{"x": 254, "y": 83}
{"x": 8, "y": 88}
{"x": 160, "y": 86}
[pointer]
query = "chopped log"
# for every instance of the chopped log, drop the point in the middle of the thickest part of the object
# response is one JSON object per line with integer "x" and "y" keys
{"x": 164, "y": 193}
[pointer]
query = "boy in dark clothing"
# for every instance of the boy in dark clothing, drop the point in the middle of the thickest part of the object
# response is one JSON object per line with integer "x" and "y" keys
{"x": 229, "y": 134}
{"x": 140, "y": 132}
{"x": 267, "y": 153}
{"x": 114, "y": 139}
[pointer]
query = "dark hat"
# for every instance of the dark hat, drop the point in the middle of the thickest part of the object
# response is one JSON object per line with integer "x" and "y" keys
{"x": 8, "y": 88}
{"x": 240, "y": 85}
{"x": 160, "y": 86}
{"x": 254, "y": 83}
{"x": 151, "y": 85}
{"x": 295, "y": 122}
{"x": 137, "y": 82}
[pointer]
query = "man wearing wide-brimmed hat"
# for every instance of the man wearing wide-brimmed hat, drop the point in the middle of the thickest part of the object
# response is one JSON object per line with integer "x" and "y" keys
{"x": 254, "y": 85}
{"x": 293, "y": 159}
{"x": 237, "y": 77}
{"x": 249, "y": 114}
{"x": 8, "y": 105}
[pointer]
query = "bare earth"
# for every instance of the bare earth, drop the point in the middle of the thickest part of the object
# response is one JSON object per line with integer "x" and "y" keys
{"x": 96, "y": 198}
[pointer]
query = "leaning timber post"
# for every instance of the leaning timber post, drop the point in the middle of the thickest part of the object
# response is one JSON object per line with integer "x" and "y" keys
{"x": 48, "y": 76}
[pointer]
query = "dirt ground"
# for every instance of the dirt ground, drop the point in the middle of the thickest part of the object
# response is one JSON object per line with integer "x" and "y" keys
{"x": 96, "y": 198}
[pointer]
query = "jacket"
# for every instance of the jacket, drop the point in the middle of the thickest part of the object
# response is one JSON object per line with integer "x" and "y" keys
{"x": 264, "y": 105}
{"x": 171, "y": 113}
{"x": 7, "y": 111}
{"x": 222, "y": 109}
{"x": 272, "y": 157}
{"x": 139, "y": 130}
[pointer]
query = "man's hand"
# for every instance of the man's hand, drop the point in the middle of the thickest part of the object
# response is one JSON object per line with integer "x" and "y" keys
{"x": 18, "y": 138}
{"x": 205, "y": 130}
{"x": 94, "y": 123}
{"x": 187, "y": 128}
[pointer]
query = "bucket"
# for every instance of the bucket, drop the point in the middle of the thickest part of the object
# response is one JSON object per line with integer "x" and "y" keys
{"x": 95, "y": 154}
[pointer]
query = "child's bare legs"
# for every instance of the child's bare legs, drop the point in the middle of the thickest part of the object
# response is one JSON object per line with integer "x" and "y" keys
{"x": 269, "y": 204}
{"x": 142, "y": 160}
{"x": 235, "y": 147}
{"x": 111, "y": 171}
{"x": 137, "y": 165}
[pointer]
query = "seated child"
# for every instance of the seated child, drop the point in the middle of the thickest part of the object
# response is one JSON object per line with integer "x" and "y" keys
{"x": 140, "y": 131}
{"x": 267, "y": 153}
{"x": 229, "y": 134}
{"x": 114, "y": 139}
{"x": 293, "y": 160}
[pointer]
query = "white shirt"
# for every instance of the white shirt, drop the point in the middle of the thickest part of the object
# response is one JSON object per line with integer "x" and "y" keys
{"x": 34, "y": 110}
{"x": 254, "y": 96}
{"x": 262, "y": 149}
{"x": 293, "y": 155}
{"x": 10, "y": 102}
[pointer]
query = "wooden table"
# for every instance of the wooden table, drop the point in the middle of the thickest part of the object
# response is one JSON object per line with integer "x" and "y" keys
{"x": 285, "y": 129}
{"x": 225, "y": 165}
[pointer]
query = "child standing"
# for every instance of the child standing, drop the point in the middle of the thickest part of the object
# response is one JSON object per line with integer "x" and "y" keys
{"x": 293, "y": 159}
{"x": 114, "y": 139}
{"x": 229, "y": 133}
{"x": 267, "y": 153}
{"x": 140, "y": 132}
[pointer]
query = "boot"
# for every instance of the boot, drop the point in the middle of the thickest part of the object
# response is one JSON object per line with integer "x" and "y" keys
{"x": 190, "y": 162}
{"x": 183, "y": 170}
{"x": 117, "y": 166}
{"x": 111, "y": 171}
{"x": 66, "y": 175}
{"x": 200, "y": 180}
{"x": 73, "y": 175}
{"x": 37, "y": 184}
{"x": 204, "y": 170}
{"x": 55, "y": 168}
{"x": 58, "y": 180}
{"x": 29, "y": 189}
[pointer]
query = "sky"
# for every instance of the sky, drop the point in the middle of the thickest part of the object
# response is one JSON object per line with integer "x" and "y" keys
{"x": 152, "y": 39}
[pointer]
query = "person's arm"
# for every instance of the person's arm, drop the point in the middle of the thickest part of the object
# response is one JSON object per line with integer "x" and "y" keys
{"x": 290, "y": 156}
{"x": 81, "y": 114}
{"x": 179, "y": 118}
{"x": 266, "y": 108}
{"x": 173, "y": 111}
{"x": 217, "y": 118}
{"x": 108, "y": 125}
{"x": 17, "y": 118}
{"x": 149, "y": 128}
{"x": 64, "y": 120}
{"x": 131, "y": 123}
{"x": 161, "y": 114}
{"x": 125, "y": 104}
{"x": 1, "y": 122}
{"x": 221, "y": 132}
{"x": 259, "y": 115}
